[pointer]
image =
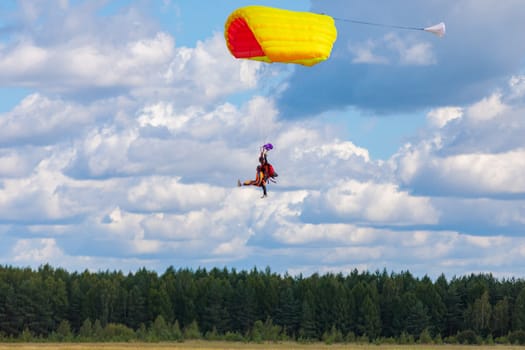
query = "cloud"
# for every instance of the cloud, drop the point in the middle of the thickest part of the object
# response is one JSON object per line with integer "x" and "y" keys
{"x": 327, "y": 234}
{"x": 36, "y": 250}
{"x": 18, "y": 163}
{"x": 38, "y": 197}
{"x": 465, "y": 174}
{"x": 417, "y": 53}
{"x": 375, "y": 203}
{"x": 439, "y": 117}
{"x": 363, "y": 53}
{"x": 517, "y": 85}
{"x": 163, "y": 138}
{"x": 487, "y": 108}
{"x": 477, "y": 151}
{"x": 40, "y": 120}
{"x": 392, "y": 50}
{"x": 187, "y": 68}
{"x": 388, "y": 71}
{"x": 127, "y": 150}
{"x": 154, "y": 194}
{"x": 82, "y": 57}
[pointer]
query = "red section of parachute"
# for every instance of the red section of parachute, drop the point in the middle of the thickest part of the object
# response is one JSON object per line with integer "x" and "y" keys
{"x": 241, "y": 40}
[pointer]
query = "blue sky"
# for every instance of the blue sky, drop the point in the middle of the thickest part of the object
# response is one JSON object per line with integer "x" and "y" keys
{"x": 124, "y": 126}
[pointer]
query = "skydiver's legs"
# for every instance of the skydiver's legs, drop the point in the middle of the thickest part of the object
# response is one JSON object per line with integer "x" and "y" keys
{"x": 249, "y": 183}
{"x": 253, "y": 183}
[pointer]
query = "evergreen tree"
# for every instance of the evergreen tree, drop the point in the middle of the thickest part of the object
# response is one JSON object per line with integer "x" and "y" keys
{"x": 518, "y": 318}
{"x": 417, "y": 318}
{"x": 76, "y": 313}
{"x": 288, "y": 313}
{"x": 192, "y": 331}
{"x": 213, "y": 312}
{"x": 368, "y": 316}
{"x": 176, "y": 332}
{"x": 455, "y": 308}
{"x": 136, "y": 310}
{"x": 63, "y": 332}
{"x": 371, "y": 318}
{"x": 242, "y": 306}
{"x": 160, "y": 330}
{"x": 501, "y": 318}
{"x": 98, "y": 331}
{"x": 86, "y": 330}
{"x": 433, "y": 303}
{"x": 308, "y": 327}
{"x": 53, "y": 303}
{"x": 391, "y": 309}
{"x": 479, "y": 314}
{"x": 184, "y": 297}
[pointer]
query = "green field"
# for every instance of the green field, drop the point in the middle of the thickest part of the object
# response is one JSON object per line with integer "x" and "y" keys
{"x": 208, "y": 345}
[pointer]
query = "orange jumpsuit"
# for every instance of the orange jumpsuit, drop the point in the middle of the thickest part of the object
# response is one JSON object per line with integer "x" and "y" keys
{"x": 260, "y": 180}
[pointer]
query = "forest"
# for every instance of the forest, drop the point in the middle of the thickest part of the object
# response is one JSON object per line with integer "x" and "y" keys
{"x": 258, "y": 305}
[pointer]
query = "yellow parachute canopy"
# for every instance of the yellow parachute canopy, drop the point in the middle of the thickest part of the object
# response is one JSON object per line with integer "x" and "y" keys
{"x": 274, "y": 35}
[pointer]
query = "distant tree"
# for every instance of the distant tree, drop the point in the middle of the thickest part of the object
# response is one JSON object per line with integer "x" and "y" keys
{"x": 479, "y": 314}
{"x": 468, "y": 337}
{"x": 192, "y": 331}
{"x": 391, "y": 309}
{"x": 76, "y": 313}
{"x": 432, "y": 301}
{"x": 86, "y": 330}
{"x": 226, "y": 304}
{"x": 518, "y": 319}
{"x": 308, "y": 327}
{"x": 184, "y": 298}
{"x": 288, "y": 313}
{"x": 63, "y": 332}
{"x": 334, "y": 335}
{"x": 98, "y": 331}
{"x": 371, "y": 318}
{"x": 176, "y": 331}
{"x": 367, "y": 314}
{"x": 137, "y": 305}
{"x": 160, "y": 330}
{"x": 213, "y": 309}
{"x": 417, "y": 318}
{"x": 212, "y": 335}
{"x": 501, "y": 317}
{"x": 425, "y": 337}
{"x": 26, "y": 336}
{"x": 242, "y": 306}
{"x": 517, "y": 337}
{"x": 265, "y": 331}
{"x": 455, "y": 309}
{"x": 118, "y": 332}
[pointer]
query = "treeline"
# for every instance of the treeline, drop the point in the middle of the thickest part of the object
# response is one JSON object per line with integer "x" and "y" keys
{"x": 258, "y": 305}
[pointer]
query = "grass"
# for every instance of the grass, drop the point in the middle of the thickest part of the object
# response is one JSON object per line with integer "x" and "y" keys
{"x": 218, "y": 345}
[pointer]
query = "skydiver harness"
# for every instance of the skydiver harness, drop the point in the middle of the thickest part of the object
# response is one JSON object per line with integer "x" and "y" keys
{"x": 269, "y": 172}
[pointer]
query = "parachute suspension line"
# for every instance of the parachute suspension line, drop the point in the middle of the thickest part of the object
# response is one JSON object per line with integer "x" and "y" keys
{"x": 265, "y": 141}
{"x": 437, "y": 29}
{"x": 376, "y": 24}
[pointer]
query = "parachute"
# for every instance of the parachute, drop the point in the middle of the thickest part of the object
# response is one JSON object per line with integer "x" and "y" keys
{"x": 270, "y": 34}
{"x": 275, "y": 35}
